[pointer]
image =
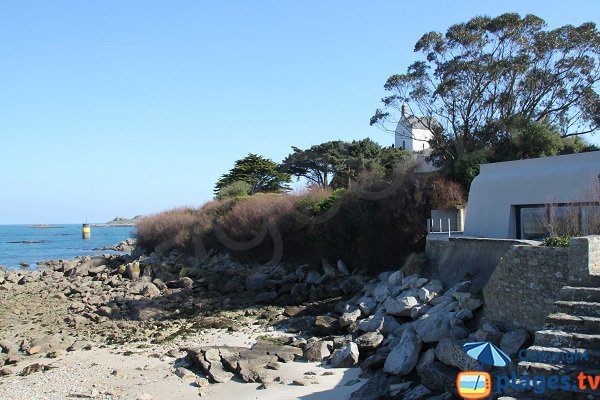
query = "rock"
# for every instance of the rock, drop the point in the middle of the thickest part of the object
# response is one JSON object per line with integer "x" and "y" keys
{"x": 318, "y": 350}
{"x": 390, "y": 325}
{"x": 348, "y": 318}
{"x": 377, "y": 360}
{"x": 425, "y": 359}
{"x": 438, "y": 377}
{"x": 350, "y": 285}
{"x": 369, "y": 341}
{"x": 400, "y": 307}
{"x": 404, "y": 356}
{"x": 8, "y": 347}
{"x": 489, "y": 333}
{"x": 342, "y": 269}
{"x": 380, "y": 292}
{"x": 33, "y": 368}
{"x": 395, "y": 278}
{"x": 367, "y": 305}
{"x": 345, "y": 357}
{"x": 211, "y": 365}
{"x": 132, "y": 270}
{"x": 417, "y": 393}
{"x": 185, "y": 374}
{"x": 374, "y": 323}
{"x": 374, "y": 389}
{"x": 201, "y": 382}
{"x": 312, "y": 277}
{"x": 437, "y": 323}
{"x": 324, "y": 325}
{"x": 185, "y": 282}
{"x": 329, "y": 270}
{"x": 49, "y": 342}
{"x": 513, "y": 341}
{"x": 471, "y": 304}
{"x": 464, "y": 315}
{"x": 398, "y": 388}
{"x": 79, "y": 345}
{"x": 451, "y": 353}
{"x": 265, "y": 297}
{"x": 150, "y": 290}
{"x": 256, "y": 282}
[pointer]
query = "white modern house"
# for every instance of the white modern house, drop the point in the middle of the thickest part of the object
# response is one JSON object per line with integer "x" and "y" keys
{"x": 526, "y": 199}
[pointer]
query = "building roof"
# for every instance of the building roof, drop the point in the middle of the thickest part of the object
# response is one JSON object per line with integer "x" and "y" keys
{"x": 416, "y": 122}
{"x": 499, "y": 187}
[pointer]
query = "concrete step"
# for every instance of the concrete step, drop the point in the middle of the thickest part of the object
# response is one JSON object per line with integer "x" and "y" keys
{"x": 592, "y": 281}
{"x": 580, "y": 357}
{"x": 573, "y": 323}
{"x": 580, "y": 308}
{"x": 557, "y": 338}
{"x": 572, "y": 293}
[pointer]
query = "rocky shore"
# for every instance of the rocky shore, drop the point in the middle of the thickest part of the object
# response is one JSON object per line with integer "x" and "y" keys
{"x": 145, "y": 327}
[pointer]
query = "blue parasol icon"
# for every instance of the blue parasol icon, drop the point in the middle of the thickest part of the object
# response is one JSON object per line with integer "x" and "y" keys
{"x": 487, "y": 353}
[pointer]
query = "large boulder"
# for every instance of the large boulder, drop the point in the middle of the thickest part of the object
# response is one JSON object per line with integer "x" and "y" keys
{"x": 439, "y": 377}
{"x": 132, "y": 270}
{"x": 367, "y": 305}
{"x": 256, "y": 282}
{"x": 325, "y": 325}
{"x": 513, "y": 341}
{"x": 376, "y": 388}
{"x": 401, "y": 306}
{"x": 451, "y": 352}
{"x": 318, "y": 351}
{"x": 348, "y": 318}
{"x": 346, "y": 356}
{"x": 374, "y": 323}
{"x": 369, "y": 341}
{"x": 404, "y": 356}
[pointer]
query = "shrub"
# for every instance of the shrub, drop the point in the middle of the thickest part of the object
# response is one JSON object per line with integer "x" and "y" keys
{"x": 557, "y": 241}
{"x": 375, "y": 224}
{"x": 235, "y": 189}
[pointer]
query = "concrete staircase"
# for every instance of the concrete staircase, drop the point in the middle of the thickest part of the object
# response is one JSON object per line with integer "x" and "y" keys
{"x": 574, "y": 326}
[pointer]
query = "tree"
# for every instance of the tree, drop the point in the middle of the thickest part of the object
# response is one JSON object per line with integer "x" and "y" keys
{"x": 317, "y": 165}
{"x": 262, "y": 174}
{"x": 337, "y": 163}
{"x": 487, "y": 71}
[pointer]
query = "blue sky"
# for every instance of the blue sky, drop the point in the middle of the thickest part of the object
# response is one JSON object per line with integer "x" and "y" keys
{"x": 131, "y": 107}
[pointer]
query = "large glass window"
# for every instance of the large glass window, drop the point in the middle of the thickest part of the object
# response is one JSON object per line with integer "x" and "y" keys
{"x": 538, "y": 221}
{"x": 533, "y": 223}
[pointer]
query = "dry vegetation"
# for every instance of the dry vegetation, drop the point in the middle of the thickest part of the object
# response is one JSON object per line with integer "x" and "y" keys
{"x": 373, "y": 225}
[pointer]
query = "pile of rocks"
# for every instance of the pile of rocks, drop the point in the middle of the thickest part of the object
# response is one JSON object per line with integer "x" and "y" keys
{"x": 407, "y": 332}
{"x": 126, "y": 246}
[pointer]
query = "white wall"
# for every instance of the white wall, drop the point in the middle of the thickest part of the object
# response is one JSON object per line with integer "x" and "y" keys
{"x": 501, "y": 186}
{"x": 422, "y": 136}
{"x": 414, "y": 139}
{"x": 403, "y": 134}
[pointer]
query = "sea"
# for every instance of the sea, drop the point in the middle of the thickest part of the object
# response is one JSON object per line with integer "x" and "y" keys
{"x": 30, "y": 243}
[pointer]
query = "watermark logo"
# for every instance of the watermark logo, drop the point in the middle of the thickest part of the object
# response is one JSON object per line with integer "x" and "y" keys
{"x": 474, "y": 385}
{"x": 477, "y": 384}
{"x": 487, "y": 353}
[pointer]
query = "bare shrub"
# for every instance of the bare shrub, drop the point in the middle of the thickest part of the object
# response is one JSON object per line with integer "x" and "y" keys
{"x": 375, "y": 224}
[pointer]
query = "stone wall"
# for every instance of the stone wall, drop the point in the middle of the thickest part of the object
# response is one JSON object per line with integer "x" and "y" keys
{"x": 584, "y": 256}
{"x": 525, "y": 284}
{"x": 455, "y": 259}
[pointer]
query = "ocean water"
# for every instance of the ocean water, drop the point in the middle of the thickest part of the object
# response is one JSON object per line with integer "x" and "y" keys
{"x": 55, "y": 243}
